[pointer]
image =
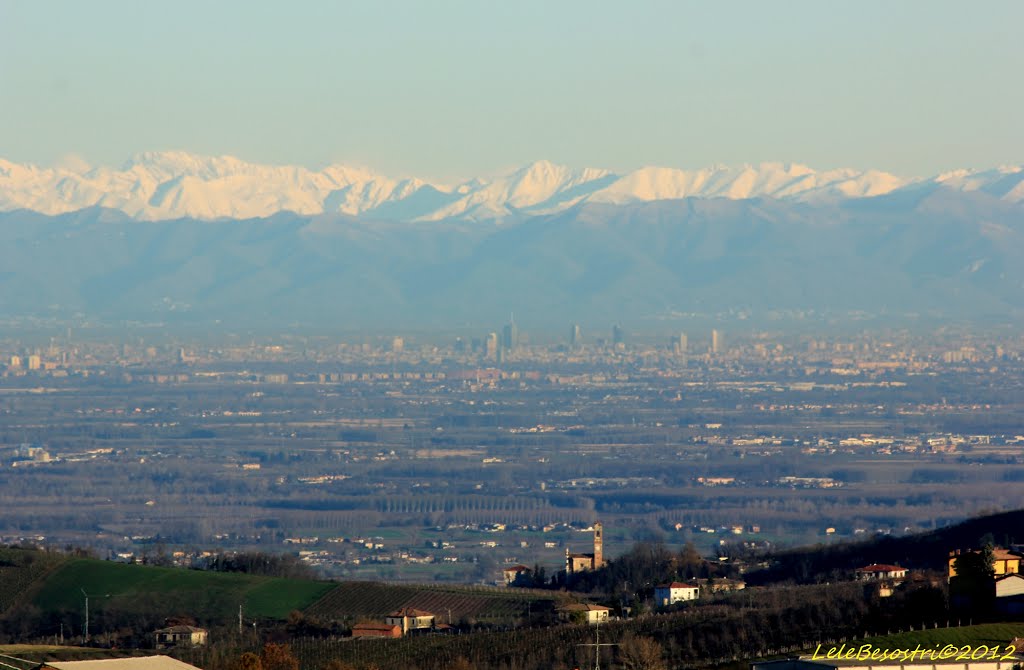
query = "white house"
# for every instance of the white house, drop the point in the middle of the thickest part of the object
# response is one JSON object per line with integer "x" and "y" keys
{"x": 676, "y": 592}
{"x": 880, "y": 571}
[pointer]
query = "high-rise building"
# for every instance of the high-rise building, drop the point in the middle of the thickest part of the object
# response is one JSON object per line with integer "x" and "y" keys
{"x": 510, "y": 336}
{"x": 575, "y": 336}
{"x": 491, "y": 346}
{"x": 15, "y": 362}
{"x": 680, "y": 343}
{"x": 34, "y": 362}
{"x": 397, "y": 345}
{"x": 717, "y": 342}
{"x": 618, "y": 335}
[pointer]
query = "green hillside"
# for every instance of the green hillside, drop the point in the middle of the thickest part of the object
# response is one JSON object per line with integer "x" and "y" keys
{"x": 990, "y": 634}
{"x": 173, "y": 591}
{"x": 19, "y": 569}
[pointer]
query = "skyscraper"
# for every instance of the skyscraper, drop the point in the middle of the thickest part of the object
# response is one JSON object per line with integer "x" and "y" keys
{"x": 717, "y": 342}
{"x": 491, "y": 346}
{"x": 618, "y": 336}
{"x": 510, "y": 335}
{"x": 575, "y": 336}
{"x": 680, "y": 343}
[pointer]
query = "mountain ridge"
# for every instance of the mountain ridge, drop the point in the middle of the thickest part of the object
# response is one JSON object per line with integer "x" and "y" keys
{"x": 156, "y": 186}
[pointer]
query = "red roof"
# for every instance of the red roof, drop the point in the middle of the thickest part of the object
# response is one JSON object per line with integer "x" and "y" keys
{"x": 881, "y": 567}
{"x": 410, "y": 612}
{"x": 517, "y": 568}
{"x": 678, "y": 585}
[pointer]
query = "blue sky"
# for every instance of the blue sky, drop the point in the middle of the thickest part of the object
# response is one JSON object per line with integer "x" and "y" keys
{"x": 449, "y": 89}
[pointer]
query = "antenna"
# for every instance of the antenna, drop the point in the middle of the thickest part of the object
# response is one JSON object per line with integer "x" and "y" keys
{"x": 597, "y": 644}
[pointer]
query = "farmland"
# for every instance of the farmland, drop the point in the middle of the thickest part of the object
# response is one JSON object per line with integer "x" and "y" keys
{"x": 372, "y": 599}
{"x": 204, "y": 595}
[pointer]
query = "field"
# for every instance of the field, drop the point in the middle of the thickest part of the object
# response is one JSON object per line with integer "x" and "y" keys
{"x": 204, "y": 595}
{"x": 352, "y": 600}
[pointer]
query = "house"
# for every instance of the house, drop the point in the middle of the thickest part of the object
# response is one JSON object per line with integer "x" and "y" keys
{"x": 583, "y": 612}
{"x": 723, "y": 585}
{"x": 675, "y": 592}
{"x": 133, "y": 663}
{"x": 1005, "y": 561}
{"x": 180, "y": 635}
{"x": 580, "y": 562}
{"x": 1010, "y": 594}
{"x": 516, "y": 573}
{"x": 879, "y": 571}
{"x": 409, "y": 619}
{"x": 372, "y": 629}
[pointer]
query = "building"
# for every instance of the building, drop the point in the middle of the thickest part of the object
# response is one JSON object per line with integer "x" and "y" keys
{"x": 133, "y": 663}
{"x": 409, "y": 619}
{"x": 575, "y": 336}
{"x": 618, "y": 335}
{"x": 516, "y": 573}
{"x": 1010, "y": 594}
{"x": 34, "y": 362}
{"x": 583, "y": 613}
{"x": 666, "y": 595}
{"x": 180, "y": 635}
{"x": 372, "y": 629}
{"x": 510, "y": 336}
{"x": 580, "y": 562}
{"x": 680, "y": 344}
{"x": 879, "y": 571}
{"x": 1005, "y": 561}
{"x": 491, "y": 346}
{"x": 717, "y": 342}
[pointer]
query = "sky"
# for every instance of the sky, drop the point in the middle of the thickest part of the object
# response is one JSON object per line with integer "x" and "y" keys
{"x": 445, "y": 89}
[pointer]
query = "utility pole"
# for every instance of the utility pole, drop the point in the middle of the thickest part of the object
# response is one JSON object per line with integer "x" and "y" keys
{"x": 597, "y": 644}
{"x": 85, "y": 636}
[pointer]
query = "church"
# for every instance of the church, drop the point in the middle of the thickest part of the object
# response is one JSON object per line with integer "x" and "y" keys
{"x": 581, "y": 562}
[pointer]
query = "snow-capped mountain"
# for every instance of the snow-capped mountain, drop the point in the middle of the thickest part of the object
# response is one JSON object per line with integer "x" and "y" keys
{"x": 169, "y": 185}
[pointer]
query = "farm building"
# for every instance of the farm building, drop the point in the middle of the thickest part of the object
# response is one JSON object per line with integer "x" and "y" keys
{"x": 180, "y": 635}
{"x": 588, "y": 612}
{"x": 376, "y": 630}
{"x": 675, "y": 592}
{"x": 409, "y": 619}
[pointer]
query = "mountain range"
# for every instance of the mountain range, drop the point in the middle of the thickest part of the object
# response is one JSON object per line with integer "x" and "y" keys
{"x": 174, "y": 238}
{"x": 171, "y": 185}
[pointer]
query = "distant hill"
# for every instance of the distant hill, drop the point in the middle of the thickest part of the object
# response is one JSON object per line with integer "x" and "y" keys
{"x": 921, "y": 551}
{"x": 47, "y": 588}
{"x": 925, "y": 253}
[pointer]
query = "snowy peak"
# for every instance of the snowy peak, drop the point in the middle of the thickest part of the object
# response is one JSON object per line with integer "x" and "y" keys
{"x": 158, "y": 185}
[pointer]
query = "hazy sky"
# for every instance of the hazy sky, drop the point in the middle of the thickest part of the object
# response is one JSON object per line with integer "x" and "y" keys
{"x": 444, "y": 89}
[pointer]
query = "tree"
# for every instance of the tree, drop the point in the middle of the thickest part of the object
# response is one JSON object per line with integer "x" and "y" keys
{"x": 641, "y": 653}
{"x": 247, "y": 661}
{"x": 973, "y": 588}
{"x": 278, "y": 657}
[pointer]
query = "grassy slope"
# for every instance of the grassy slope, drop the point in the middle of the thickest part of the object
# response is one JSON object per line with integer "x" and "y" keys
{"x": 983, "y": 634}
{"x": 209, "y": 595}
{"x": 20, "y": 569}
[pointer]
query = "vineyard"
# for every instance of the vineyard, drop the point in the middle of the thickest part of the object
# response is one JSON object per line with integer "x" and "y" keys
{"x": 19, "y": 569}
{"x": 354, "y": 600}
